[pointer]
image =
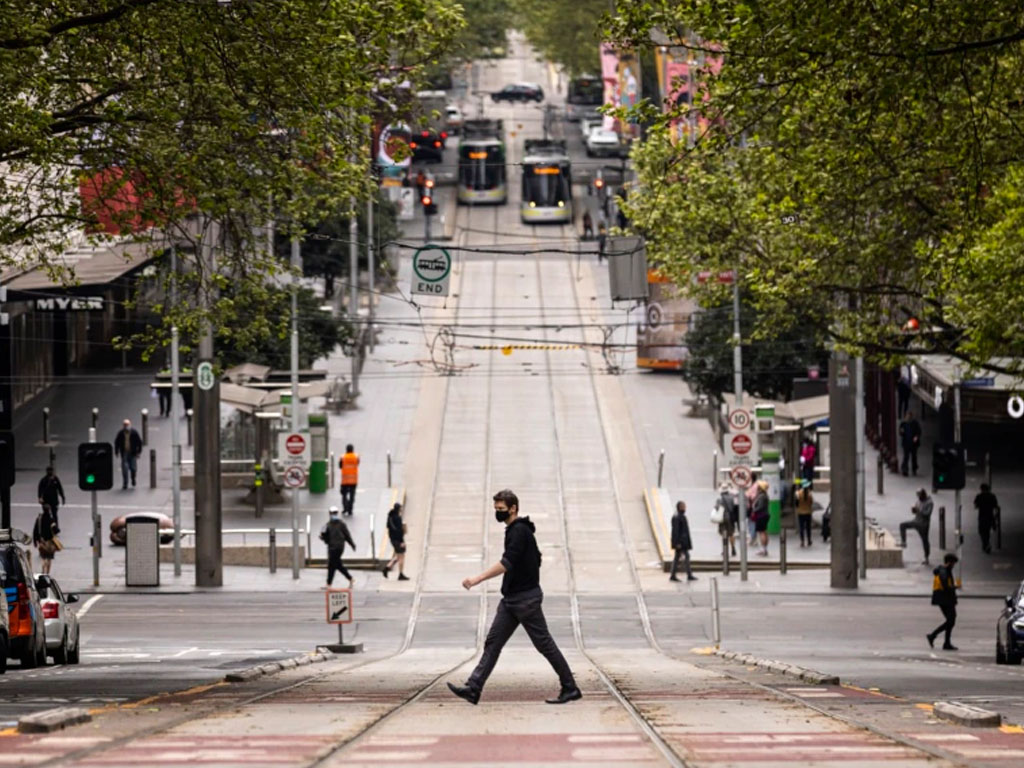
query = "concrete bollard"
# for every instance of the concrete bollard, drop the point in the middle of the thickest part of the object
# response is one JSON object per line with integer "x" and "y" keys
{"x": 661, "y": 466}
{"x": 942, "y": 527}
{"x": 782, "y": 550}
{"x": 145, "y": 426}
{"x": 716, "y": 622}
{"x": 881, "y": 475}
{"x": 95, "y": 417}
{"x": 714, "y": 469}
{"x": 188, "y": 424}
{"x": 46, "y": 426}
{"x": 273, "y": 550}
{"x": 152, "y": 467}
{"x": 389, "y": 469}
{"x": 725, "y": 555}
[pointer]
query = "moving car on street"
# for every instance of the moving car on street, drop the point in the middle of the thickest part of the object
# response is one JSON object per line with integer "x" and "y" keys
{"x": 428, "y": 146}
{"x": 119, "y": 526}
{"x": 603, "y": 143}
{"x": 27, "y": 634}
{"x": 519, "y": 92}
{"x": 1010, "y": 629}
{"x": 453, "y": 119}
{"x": 62, "y": 637}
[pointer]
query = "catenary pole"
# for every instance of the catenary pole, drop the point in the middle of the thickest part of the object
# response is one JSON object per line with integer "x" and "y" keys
{"x": 369, "y": 270}
{"x": 175, "y": 416}
{"x": 858, "y": 376}
{"x": 296, "y": 263}
{"x": 737, "y": 383}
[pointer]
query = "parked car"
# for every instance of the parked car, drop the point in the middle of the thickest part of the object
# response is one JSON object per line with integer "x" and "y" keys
{"x": 453, "y": 119}
{"x": 119, "y": 526}
{"x": 62, "y": 637}
{"x": 603, "y": 143}
{"x": 26, "y": 631}
{"x": 519, "y": 92}
{"x": 1010, "y": 629}
{"x": 586, "y": 126}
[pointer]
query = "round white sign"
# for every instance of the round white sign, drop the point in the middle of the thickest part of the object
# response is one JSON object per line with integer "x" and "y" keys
{"x": 741, "y": 476}
{"x": 295, "y": 445}
{"x": 1015, "y": 406}
{"x": 739, "y": 419}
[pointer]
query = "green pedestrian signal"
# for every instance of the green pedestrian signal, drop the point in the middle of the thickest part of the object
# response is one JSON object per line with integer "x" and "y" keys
{"x": 95, "y": 466}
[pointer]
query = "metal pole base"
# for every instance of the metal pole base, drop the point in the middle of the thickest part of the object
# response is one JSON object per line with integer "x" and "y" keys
{"x": 341, "y": 646}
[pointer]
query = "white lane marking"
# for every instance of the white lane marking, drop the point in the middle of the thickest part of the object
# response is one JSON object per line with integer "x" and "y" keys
{"x": 179, "y": 654}
{"x": 404, "y": 741}
{"x": 87, "y": 605}
{"x": 944, "y": 737}
{"x": 393, "y": 757}
{"x": 612, "y": 754}
{"x": 595, "y": 738}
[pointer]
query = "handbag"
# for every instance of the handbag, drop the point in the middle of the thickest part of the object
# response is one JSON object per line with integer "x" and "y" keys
{"x": 717, "y": 514}
{"x": 47, "y": 548}
{"x": 58, "y": 545}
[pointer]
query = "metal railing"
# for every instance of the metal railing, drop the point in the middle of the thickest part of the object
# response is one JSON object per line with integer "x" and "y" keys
{"x": 269, "y": 534}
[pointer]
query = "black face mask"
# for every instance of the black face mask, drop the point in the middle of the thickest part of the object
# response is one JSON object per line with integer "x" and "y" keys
{"x": 501, "y": 515}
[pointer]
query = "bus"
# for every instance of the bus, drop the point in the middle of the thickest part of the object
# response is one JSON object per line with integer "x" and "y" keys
{"x": 547, "y": 182}
{"x": 482, "y": 173}
{"x": 586, "y": 94}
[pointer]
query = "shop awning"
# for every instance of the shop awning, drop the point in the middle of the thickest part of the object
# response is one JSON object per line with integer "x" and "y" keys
{"x": 89, "y": 266}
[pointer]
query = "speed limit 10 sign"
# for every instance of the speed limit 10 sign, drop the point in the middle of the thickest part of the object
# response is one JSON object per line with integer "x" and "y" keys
{"x": 739, "y": 419}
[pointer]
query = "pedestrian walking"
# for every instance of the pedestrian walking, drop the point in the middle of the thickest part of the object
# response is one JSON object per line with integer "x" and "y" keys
{"x": 944, "y": 595}
{"x": 681, "y": 542}
{"x": 335, "y": 535}
{"x": 727, "y": 514}
{"x": 51, "y": 494}
{"x": 808, "y": 454}
{"x": 44, "y": 538}
{"x": 421, "y": 183}
{"x": 588, "y": 226}
{"x": 988, "y": 508}
{"x": 910, "y": 439}
{"x": 396, "y": 532}
{"x": 804, "y": 512}
{"x": 602, "y": 238}
{"x": 164, "y": 394}
{"x": 826, "y": 523}
{"x": 349, "y": 464}
{"x": 128, "y": 445}
{"x": 521, "y": 603}
{"x": 759, "y": 514}
{"x": 921, "y": 522}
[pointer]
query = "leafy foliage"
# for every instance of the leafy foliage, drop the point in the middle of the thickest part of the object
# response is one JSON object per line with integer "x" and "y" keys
{"x": 859, "y": 162}
{"x": 567, "y": 32}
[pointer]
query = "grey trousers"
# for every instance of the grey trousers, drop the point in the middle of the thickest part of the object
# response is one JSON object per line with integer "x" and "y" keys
{"x": 522, "y": 608}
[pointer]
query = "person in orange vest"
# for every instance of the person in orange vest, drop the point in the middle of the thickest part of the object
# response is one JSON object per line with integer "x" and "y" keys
{"x": 349, "y": 479}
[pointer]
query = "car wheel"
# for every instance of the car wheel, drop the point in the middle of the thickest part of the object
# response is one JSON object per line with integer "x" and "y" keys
{"x": 60, "y": 656}
{"x": 41, "y": 654}
{"x": 3, "y": 655}
{"x": 28, "y": 658}
{"x": 73, "y": 653}
{"x": 1013, "y": 658}
{"x": 1000, "y": 654}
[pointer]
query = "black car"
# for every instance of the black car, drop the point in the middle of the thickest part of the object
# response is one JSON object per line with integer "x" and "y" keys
{"x": 1010, "y": 629}
{"x": 519, "y": 92}
{"x": 427, "y": 145}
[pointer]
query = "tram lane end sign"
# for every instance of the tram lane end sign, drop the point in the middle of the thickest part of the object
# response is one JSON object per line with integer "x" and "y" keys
{"x": 431, "y": 270}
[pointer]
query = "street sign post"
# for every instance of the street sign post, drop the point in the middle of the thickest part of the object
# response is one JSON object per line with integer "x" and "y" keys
{"x": 339, "y": 607}
{"x": 431, "y": 270}
{"x": 204, "y": 376}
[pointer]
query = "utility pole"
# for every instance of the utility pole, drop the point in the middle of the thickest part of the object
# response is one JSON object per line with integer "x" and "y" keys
{"x": 175, "y": 416}
{"x": 371, "y": 295}
{"x": 353, "y": 262}
{"x": 206, "y": 394}
{"x": 957, "y": 437}
{"x": 858, "y": 378}
{"x": 737, "y": 383}
{"x": 296, "y": 264}
{"x": 843, "y": 470}
{"x": 6, "y": 402}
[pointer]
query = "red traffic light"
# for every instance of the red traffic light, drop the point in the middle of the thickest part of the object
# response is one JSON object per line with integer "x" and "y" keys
{"x": 429, "y": 183}
{"x": 444, "y": 134}
{"x": 426, "y": 200}
{"x": 598, "y": 183}
{"x": 912, "y": 325}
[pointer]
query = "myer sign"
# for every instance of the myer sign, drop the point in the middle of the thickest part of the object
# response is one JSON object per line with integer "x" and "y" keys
{"x": 431, "y": 270}
{"x": 71, "y": 303}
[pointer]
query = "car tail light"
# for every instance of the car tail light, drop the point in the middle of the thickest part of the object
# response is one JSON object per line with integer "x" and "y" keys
{"x": 49, "y": 610}
{"x": 22, "y": 592}
{"x": 412, "y": 144}
{"x": 444, "y": 134}
{"x": 437, "y": 143}
{"x": 424, "y": 134}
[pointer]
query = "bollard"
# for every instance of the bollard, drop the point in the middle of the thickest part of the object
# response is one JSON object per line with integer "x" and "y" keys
{"x": 95, "y": 416}
{"x": 188, "y": 423}
{"x": 145, "y": 426}
{"x": 942, "y": 527}
{"x": 53, "y": 459}
{"x": 330, "y": 470}
{"x": 725, "y": 555}
{"x": 273, "y": 550}
{"x": 782, "y": 550}
{"x": 152, "y": 467}
{"x": 714, "y": 468}
{"x": 46, "y": 426}
{"x": 999, "y": 528}
{"x": 988, "y": 469}
{"x": 716, "y": 624}
{"x": 661, "y": 466}
{"x": 881, "y": 475}
{"x": 389, "y": 469}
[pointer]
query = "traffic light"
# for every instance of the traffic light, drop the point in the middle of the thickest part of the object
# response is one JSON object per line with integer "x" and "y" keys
{"x": 95, "y": 466}
{"x": 948, "y": 467}
{"x": 6, "y": 459}
{"x": 429, "y": 206}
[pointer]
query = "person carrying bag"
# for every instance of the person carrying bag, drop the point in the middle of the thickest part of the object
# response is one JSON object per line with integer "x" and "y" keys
{"x": 44, "y": 538}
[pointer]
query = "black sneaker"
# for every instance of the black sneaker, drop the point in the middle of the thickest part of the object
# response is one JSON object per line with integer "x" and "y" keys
{"x": 566, "y": 695}
{"x": 385, "y": 570}
{"x": 950, "y": 647}
{"x": 402, "y": 577}
{"x": 691, "y": 578}
{"x": 931, "y": 640}
{"x": 465, "y": 692}
{"x": 673, "y": 578}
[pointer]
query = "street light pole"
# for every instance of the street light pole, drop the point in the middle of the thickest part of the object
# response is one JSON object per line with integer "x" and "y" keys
{"x": 737, "y": 383}
{"x": 175, "y": 416}
{"x": 369, "y": 269}
{"x": 296, "y": 264}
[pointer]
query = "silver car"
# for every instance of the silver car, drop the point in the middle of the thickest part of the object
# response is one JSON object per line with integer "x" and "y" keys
{"x": 63, "y": 640}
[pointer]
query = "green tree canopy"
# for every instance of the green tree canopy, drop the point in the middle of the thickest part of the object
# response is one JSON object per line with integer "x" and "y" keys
{"x": 567, "y": 32}
{"x": 858, "y": 161}
{"x": 242, "y": 111}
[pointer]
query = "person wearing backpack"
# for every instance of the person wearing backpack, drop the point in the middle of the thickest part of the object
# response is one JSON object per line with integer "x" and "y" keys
{"x": 944, "y": 595}
{"x": 726, "y": 513}
{"x": 335, "y": 534}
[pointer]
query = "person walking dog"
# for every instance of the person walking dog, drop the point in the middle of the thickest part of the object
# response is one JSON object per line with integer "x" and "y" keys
{"x": 521, "y": 599}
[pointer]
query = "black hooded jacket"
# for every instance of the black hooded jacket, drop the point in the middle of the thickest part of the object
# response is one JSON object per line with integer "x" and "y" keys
{"x": 521, "y": 558}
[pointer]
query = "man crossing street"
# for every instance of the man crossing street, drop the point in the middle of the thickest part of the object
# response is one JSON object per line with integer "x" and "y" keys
{"x": 335, "y": 535}
{"x": 51, "y": 494}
